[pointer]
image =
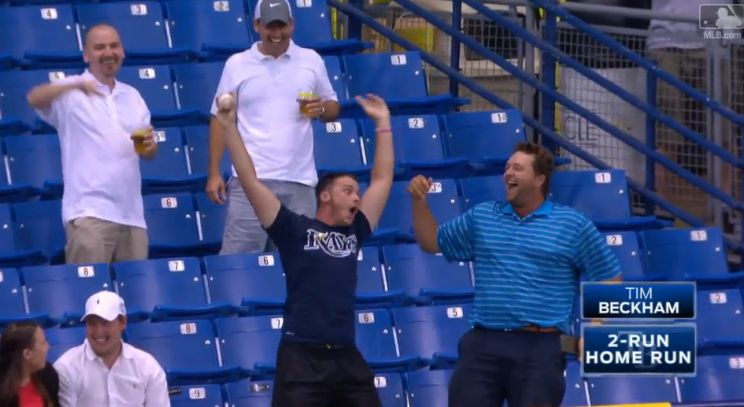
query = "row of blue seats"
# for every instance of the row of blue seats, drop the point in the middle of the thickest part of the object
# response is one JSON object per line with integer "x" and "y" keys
{"x": 154, "y": 32}
{"x": 181, "y": 223}
{"x": 715, "y": 384}
{"x": 252, "y": 284}
{"x": 188, "y": 353}
{"x": 182, "y": 94}
{"x": 452, "y": 146}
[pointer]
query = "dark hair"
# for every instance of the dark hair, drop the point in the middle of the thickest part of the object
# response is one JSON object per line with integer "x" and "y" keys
{"x": 326, "y": 182}
{"x": 16, "y": 338}
{"x": 544, "y": 163}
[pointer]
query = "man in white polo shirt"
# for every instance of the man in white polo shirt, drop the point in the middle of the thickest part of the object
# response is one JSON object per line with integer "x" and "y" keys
{"x": 105, "y": 371}
{"x": 269, "y": 79}
{"x": 96, "y": 117}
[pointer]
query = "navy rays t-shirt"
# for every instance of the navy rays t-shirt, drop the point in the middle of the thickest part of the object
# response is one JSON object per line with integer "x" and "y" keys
{"x": 320, "y": 265}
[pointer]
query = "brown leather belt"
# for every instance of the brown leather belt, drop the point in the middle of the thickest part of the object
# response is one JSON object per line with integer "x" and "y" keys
{"x": 535, "y": 328}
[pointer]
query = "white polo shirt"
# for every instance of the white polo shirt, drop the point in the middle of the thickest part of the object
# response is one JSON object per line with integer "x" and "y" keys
{"x": 136, "y": 379}
{"x": 99, "y": 165}
{"x": 278, "y": 137}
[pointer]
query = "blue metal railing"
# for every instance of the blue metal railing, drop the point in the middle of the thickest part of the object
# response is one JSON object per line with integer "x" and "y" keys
{"x": 356, "y": 13}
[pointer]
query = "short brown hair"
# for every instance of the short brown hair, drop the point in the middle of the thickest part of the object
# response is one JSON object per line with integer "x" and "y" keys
{"x": 544, "y": 163}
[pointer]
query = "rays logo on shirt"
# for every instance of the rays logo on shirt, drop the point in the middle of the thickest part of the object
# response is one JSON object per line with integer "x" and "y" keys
{"x": 333, "y": 244}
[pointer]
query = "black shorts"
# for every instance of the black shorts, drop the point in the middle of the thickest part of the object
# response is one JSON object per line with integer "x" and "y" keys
{"x": 315, "y": 376}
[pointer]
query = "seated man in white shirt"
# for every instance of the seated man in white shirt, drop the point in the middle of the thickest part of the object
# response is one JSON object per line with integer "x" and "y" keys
{"x": 105, "y": 371}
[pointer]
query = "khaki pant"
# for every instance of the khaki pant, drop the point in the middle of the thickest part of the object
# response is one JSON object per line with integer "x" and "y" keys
{"x": 92, "y": 240}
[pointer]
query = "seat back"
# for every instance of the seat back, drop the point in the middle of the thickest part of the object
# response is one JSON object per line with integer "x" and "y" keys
{"x": 409, "y": 269}
{"x": 389, "y": 75}
{"x": 417, "y": 138}
{"x": 171, "y": 220}
{"x": 483, "y": 134}
{"x": 193, "y": 80}
{"x": 154, "y": 83}
{"x": 600, "y": 195}
{"x": 15, "y": 85}
{"x": 424, "y": 331}
{"x": 38, "y": 28}
{"x": 262, "y": 332}
{"x": 196, "y": 23}
{"x": 185, "y": 345}
{"x": 678, "y": 252}
{"x": 374, "y": 334}
{"x": 34, "y": 159}
{"x": 477, "y": 190}
{"x": 140, "y": 24}
{"x": 11, "y": 293}
{"x": 337, "y": 144}
{"x": 236, "y": 277}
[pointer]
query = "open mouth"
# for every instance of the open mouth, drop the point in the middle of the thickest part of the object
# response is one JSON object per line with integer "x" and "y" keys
{"x": 511, "y": 184}
{"x": 353, "y": 211}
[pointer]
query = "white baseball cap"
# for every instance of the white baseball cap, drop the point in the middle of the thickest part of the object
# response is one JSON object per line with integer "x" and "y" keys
{"x": 105, "y": 304}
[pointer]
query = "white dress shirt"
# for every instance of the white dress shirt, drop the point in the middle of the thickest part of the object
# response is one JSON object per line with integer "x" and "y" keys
{"x": 99, "y": 165}
{"x": 135, "y": 380}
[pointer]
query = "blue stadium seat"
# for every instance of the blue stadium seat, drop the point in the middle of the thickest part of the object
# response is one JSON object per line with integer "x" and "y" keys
{"x": 197, "y": 144}
{"x": 625, "y": 247}
{"x": 313, "y": 29}
{"x": 428, "y": 388}
{"x": 337, "y": 147}
{"x": 212, "y": 218}
{"x": 155, "y": 84}
{"x": 40, "y": 227}
{"x": 718, "y": 379}
{"x": 400, "y": 79}
{"x": 337, "y": 77}
{"x": 443, "y": 202}
{"x": 575, "y": 394}
{"x": 60, "y": 291}
{"x": 688, "y": 255}
{"x": 263, "y": 333}
{"x": 168, "y": 171}
{"x": 605, "y": 391}
{"x": 165, "y": 289}
{"x": 61, "y": 340}
{"x": 37, "y": 161}
{"x": 11, "y": 191}
{"x": 172, "y": 226}
{"x": 186, "y": 350}
{"x": 720, "y": 321}
{"x": 603, "y": 196}
{"x": 477, "y": 190}
{"x": 196, "y": 84}
{"x": 376, "y": 342}
{"x": 487, "y": 139}
{"x": 209, "y": 30}
{"x": 370, "y": 291}
{"x": 39, "y": 37}
{"x": 249, "y": 393}
{"x": 418, "y": 148}
{"x": 141, "y": 26}
{"x": 198, "y": 395}
{"x": 426, "y": 278}
{"x": 254, "y": 282}
{"x": 17, "y": 115}
{"x": 390, "y": 388}
{"x": 432, "y": 333}
{"x": 13, "y": 252}
{"x": 12, "y": 306}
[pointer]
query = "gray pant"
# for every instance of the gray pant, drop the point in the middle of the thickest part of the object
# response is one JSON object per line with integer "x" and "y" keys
{"x": 243, "y": 232}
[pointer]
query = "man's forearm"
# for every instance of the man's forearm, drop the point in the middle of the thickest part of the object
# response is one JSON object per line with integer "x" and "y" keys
{"x": 42, "y": 96}
{"x": 216, "y": 146}
{"x": 332, "y": 110}
{"x": 425, "y": 227}
{"x": 384, "y": 163}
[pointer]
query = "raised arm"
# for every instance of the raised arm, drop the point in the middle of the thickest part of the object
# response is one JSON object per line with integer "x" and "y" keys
{"x": 264, "y": 202}
{"x": 374, "y": 199}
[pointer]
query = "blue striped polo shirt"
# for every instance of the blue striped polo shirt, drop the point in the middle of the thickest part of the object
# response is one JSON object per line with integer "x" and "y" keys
{"x": 527, "y": 270}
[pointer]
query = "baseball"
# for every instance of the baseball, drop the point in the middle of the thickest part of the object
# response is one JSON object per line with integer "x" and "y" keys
{"x": 225, "y": 101}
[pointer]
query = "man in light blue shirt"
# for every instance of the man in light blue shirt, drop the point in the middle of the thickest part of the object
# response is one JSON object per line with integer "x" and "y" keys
{"x": 528, "y": 255}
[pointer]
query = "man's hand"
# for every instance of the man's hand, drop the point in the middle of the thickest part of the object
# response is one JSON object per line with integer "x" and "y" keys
{"x": 149, "y": 146}
{"x": 88, "y": 87}
{"x": 216, "y": 189}
{"x": 374, "y": 106}
{"x": 227, "y": 110}
{"x": 314, "y": 108}
{"x": 581, "y": 349}
{"x": 419, "y": 187}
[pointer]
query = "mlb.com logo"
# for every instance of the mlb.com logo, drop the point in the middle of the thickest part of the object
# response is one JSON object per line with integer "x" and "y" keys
{"x": 721, "y": 21}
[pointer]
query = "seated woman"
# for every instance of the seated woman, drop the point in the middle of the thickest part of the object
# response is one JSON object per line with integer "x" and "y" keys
{"x": 26, "y": 378}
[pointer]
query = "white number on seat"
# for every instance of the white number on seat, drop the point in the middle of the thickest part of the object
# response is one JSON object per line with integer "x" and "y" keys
{"x": 197, "y": 393}
{"x": 614, "y": 240}
{"x": 454, "y": 312}
{"x": 698, "y": 235}
{"x": 435, "y": 188}
{"x": 366, "y": 318}
{"x": 380, "y": 381}
{"x": 266, "y": 260}
{"x": 334, "y": 127}
{"x": 49, "y": 13}
{"x": 139, "y": 9}
{"x": 277, "y": 323}
{"x": 603, "y": 178}
{"x": 718, "y": 298}
{"x": 416, "y": 123}
{"x": 169, "y": 202}
{"x": 221, "y": 6}
{"x": 498, "y": 117}
{"x": 399, "y": 59}
{"x": 86, "y": 272}
{"x": 176, "y": 265}
{"x": 188, "y": 328}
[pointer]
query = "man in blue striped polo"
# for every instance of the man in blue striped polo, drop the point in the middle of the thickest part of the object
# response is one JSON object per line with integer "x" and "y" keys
{"x": 528, "y": 255}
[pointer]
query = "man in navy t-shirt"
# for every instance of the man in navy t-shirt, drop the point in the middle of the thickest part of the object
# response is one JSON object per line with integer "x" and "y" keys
{"x": 318, "y": 363}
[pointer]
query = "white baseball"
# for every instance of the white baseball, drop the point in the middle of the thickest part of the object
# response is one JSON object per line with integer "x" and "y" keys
{"x": 225, "y": 101}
